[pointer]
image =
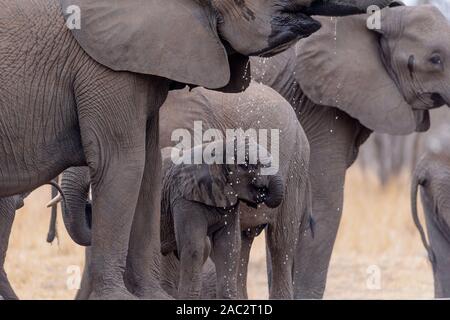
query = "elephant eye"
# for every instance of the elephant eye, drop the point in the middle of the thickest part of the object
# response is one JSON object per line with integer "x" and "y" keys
{"x": 436, "y": 59}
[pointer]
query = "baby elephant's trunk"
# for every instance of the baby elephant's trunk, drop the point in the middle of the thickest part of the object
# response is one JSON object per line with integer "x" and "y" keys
{"x": 275, "y": 192}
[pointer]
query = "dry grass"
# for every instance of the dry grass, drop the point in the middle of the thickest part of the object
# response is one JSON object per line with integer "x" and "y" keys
{"x": 376, "y": 230}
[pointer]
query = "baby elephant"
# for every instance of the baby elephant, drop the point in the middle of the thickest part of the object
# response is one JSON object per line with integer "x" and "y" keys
{"x": 432, "y": 174}
{"x": 200, "y": 214}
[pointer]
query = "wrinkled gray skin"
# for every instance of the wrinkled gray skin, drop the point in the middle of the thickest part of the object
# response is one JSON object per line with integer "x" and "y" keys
{"x": 8, "y": 207}
{"x": 335, "y": 136}
{"x": 188, "y": 220}
{"x": 259, "y": 107}
{"x": 64, "y": 108}
{"x": 432, "y": 175}
{"x": 195, "y": 227}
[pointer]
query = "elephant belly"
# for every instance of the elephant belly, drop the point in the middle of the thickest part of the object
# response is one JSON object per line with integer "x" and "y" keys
{"x": 24, "y": 169}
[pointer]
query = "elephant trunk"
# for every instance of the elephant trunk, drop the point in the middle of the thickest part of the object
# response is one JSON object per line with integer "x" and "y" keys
{"x": 275, "y": 191}
{"x": 416, "y": 181}
{"x": 77, "y": 212}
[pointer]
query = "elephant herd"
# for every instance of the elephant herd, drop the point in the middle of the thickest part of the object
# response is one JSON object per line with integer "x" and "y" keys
{"x": 85, "y": 103}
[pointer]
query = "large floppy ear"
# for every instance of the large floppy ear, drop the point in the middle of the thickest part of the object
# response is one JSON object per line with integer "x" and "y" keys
{"x": 206, "y": 184}
{"x": 175, "y": 39}
{"x": 341, "y": 66}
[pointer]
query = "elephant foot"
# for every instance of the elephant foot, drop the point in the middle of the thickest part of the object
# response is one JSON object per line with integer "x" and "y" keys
{"x": 309, "y": 294}
{"x": 155, "y": 294}
{"x": 8, "y": 295}
{"x": 113, "y": 294}
{"x": 11, "y": 297}
{"x": 6, "y": 292}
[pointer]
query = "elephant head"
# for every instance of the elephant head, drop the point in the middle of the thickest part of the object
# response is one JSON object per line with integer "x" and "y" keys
{"x": 197, "y": 42}
{"x": 387, "y": 77}
{"x": 223, "y": 183}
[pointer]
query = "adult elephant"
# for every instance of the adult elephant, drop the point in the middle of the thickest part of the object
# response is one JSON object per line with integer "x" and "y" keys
{"x": 344, "y": 82}
{"x": 257, "y": 111}
{"x": 91, "y": 97}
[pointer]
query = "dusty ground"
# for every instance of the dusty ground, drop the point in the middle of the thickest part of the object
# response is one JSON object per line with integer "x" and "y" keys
{"x": 378, "y": 253}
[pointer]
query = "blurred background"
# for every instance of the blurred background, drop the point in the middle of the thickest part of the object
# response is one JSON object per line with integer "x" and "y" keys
{"x": 378, "y": 253}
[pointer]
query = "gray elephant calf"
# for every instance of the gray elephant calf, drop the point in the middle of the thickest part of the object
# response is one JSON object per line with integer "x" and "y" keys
{"x": 259, "y": 110}
{"x": 200, "y": 205}
{"x": 432, "y": 174}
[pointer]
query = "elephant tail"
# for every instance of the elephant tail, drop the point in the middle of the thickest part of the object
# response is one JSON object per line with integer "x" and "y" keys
{"x": 416, "y": 182}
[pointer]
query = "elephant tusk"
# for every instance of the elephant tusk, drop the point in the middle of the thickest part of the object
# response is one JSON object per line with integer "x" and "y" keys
{"x": 55, "y": 201}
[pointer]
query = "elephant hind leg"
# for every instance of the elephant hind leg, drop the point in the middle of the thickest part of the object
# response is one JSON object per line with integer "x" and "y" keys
{"x": 282, "y": 238}
{"x": 85, "y": 286}
{"x": 246, "y": 245}
{"x": 7, "y": 214}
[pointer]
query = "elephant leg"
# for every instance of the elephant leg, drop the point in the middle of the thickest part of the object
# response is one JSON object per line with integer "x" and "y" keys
{"x": 246, "y": 246}
{"x": 7, "y": 214}
{"x": 113, "y": 210}
{"x": 439, "y": 240}
{"x": 170, "y": 274}
{"x": 226, "y": 247}
{"x": 191, "y": 231}
{"x": 144, "y": 256}
{"x": 112, "y": 119}
{"x": 85, "y": 286}
{"x": 314, "y": 253}
{"x": 281, "y": 260}
{"x": 334, "y": 146}
{"x": 282, "y": 236}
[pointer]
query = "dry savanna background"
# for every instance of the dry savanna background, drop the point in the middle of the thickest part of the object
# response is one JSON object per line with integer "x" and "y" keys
{"x": 378, "y": 252}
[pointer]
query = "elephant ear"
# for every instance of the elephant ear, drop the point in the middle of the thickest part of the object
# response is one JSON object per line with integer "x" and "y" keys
{"x": 206, "y": 184}
{"x": 174, "y": 39}
{"x": 341, "y": 66}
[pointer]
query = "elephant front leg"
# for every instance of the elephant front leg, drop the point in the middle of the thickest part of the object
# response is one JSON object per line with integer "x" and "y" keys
{"x": 7, "y": 214}
{"x": 115, "y": 196}
{"x": 246, "y": 246}
{"x": 85, "y": 286}
{"x": 226, "y": 245}
{"x": 281, "y": 258}
{"x": 281, "y": 237}
{"x": 313, "y": 254}
{"x": 247, "y": 238}
{"x": 191, "y": 231}
{"x": 334, "y": 140}
{"x": 112, "y": 127}
{"x": 142, "y": 273}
